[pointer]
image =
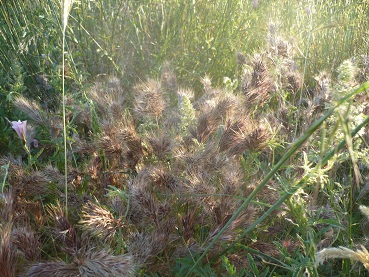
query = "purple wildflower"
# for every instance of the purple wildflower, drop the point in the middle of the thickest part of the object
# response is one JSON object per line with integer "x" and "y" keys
{"x": 20, "y": 127}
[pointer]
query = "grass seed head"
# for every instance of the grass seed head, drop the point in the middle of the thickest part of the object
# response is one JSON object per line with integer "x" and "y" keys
{"x": 8, "y": 252}
{"x": 148, "y": 100}
{"x": 232, "y": 232}
{"x": 35, "y": 183}
{"x": 365, "y": 211}
{"x": 232, "y": 134}
{"x": 256, "y": 83}
{"x": 147, "y": 247}
{"x": 161, "y": 145}
{"x": 132, "y": 142}
{"x": 343, "y": 253}
{"x": 162, "y": 179}
{"x": 102, "y": 263}
{"x": 31, "y": 109}
{"x": 109, "y": 99}
{"x": 6, "y": 207}
{"x": 238, "y": 138}
{"x": 27, "y": 241}
{"x": 63, "y": 230}
{"x": 52, "y": 269}
{"x": 99, "y": 221}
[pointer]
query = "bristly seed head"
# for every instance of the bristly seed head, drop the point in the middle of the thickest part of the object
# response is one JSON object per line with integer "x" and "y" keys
{"x": 149, "y": 101}
{"x": 98, "y": 221}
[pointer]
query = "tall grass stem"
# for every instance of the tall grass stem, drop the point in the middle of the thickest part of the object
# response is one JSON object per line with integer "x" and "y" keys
{"x": 305, "y": 65}
{"x": 67, "y": 4}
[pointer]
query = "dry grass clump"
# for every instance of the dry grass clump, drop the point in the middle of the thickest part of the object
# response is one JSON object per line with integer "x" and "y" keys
{"x": 7, "y": 207}
{"x": 109, "y": 99}
{"x": 45, "y": 118}
{"x": 161, "y": 145}
{"x": 150, "y": 247}
{"x": 27, "y": 241}
{"x": 85, "y": 258}
{"x": 182, "y": 175}
{"x": 33, "y": 183}
{"x": 64, "y": 231}
{"x": 277, "y": 45}
{"x": 149, "y": 100}
{"x": 271, "y": 85}
{"x": 167, "y": 170}
{"x": 98, "y": 221}
{"x": 8, "y": 252}
{"x": 133, "y": 144}
{"x": 363, "y": 68}
{"x": 256, "y": 84}
{"x": 18, "y": 245}
{"x": 323, "y": 90}
{"x": 238, "y": 138}
{"x": 31, "y": 109}
{"x": 212, "y": 113}
{"x": 55, "y": 269}
{"x": 88, "y": 263}
{"x": 102, "y": 263}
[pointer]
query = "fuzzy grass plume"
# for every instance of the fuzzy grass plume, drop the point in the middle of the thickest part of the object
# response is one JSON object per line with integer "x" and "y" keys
{"x": 361, "y": 254}
{"x": 89, "y": 263}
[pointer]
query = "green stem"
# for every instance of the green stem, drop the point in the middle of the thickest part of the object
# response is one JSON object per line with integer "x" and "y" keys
{"x": 6, "y": 168}
{"x": 28, "y": 153}
{"x": 64, "y": 115}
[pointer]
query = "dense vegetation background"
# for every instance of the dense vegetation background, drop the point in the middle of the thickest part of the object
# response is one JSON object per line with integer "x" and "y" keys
{"x": 184, "y": 138}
